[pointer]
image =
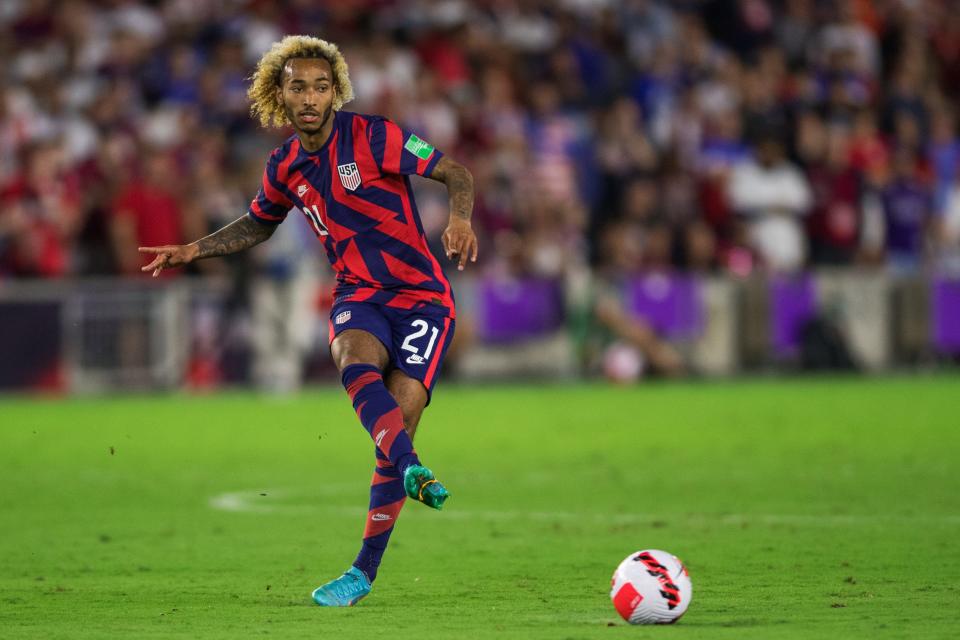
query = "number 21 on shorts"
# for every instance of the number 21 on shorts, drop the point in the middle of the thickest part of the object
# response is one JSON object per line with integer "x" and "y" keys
{"x": 422, "y": 328}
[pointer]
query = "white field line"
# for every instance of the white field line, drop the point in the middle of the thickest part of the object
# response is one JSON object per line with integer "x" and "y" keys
{"x": 264, "y": 501}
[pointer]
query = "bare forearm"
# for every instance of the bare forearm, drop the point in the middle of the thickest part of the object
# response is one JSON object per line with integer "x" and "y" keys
{"x": 459, "y": 183}
{"x": 242, "y": 233}
{"x": 460, "y": 188}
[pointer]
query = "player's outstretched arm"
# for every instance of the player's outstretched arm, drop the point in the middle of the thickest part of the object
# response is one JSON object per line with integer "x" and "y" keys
{"x": 459, "y": 240}
{"x": 242, "y": 233}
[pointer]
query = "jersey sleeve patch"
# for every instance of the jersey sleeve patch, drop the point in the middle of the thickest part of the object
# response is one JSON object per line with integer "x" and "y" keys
{"x": 399, "y": 151}
{"x": 419, "y": 147}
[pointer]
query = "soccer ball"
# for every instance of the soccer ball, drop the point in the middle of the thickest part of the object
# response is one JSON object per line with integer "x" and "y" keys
{"x": 651, "y": 587}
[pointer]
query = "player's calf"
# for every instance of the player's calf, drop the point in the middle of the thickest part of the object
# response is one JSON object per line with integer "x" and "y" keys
{"x": 379, "y": 413}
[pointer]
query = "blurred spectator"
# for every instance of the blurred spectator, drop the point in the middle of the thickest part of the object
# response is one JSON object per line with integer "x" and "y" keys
{"x": 810, "y": 138}
{"x": 39, "y": 214}
{"x": 946, "y": 46}
{"x": 125, "y": 123}
{"x": 624, "y": 147}
{"x": 907, "y": 208}
{"x": 433, "y": 114}
{"x": 381, "y": 73}
{"x": 647, "y": 25}
{"x": 794, "y": 30}
{"x": 835, "y": 225}
{"x": 948, "y": 227}
{"x": 623, "y": 344}
{"x": 847, "y": 35}
{"x": 148, "y": 213}
{"x": 640, "y": 199}
{"x": 699, "y": 249}
{"x": 678, "y": 192}
{"x": 555, "y": 144}
{"x": 284, "y": 296}
{"x": 905, "y": 113}
{"x": 944, "y": 152}
{"x": 551, "y": 236}
{"x": 762, "y": 105}
{"x": 567, "y": 101}
{"x": 770, "y": 193}
{"x": 722, "y": 149}
{"x": 869, "y": 154}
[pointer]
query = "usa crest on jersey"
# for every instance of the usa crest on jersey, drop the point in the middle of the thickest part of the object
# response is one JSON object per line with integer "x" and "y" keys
{"x": 349, "y": 175}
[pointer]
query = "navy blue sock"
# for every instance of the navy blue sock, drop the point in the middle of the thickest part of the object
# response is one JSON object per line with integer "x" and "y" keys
{"x": 386, "y": 499}
{"x": 380, "y": 414}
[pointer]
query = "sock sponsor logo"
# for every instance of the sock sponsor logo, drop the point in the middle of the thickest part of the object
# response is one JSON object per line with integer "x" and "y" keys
{"x": 380, "y": 436}
{"x": 380, "y": 516}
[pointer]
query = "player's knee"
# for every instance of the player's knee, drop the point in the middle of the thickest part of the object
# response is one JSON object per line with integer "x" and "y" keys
{"x": 347, "y": 359}
{"x": 358, "y": 348}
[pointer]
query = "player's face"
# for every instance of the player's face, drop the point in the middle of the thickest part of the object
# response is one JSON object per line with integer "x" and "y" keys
{"x": 307, "y": 92}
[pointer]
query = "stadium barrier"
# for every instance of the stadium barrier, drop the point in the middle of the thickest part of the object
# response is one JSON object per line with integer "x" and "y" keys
{"x": 93, "y": 335}
{"x": 90, "y": 336}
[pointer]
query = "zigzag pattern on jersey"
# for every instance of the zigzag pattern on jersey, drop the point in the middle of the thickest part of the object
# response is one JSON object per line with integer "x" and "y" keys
{"x": 394, "y": 162}
{"x": 385, "y": 140}
{"x": 377, "y": 252}
{"x": 273, "y": 191}
{"x": 383, "y": 247}
{"x": 374, "y": 241}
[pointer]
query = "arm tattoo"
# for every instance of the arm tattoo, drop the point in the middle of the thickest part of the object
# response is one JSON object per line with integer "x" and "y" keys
{"x": 459, "y": 185}
{"x": 242, "y": 233}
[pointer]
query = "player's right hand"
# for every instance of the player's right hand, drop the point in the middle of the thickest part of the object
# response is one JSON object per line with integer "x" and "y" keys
{"x": 459, "y": 242}
{"x": 168, "y": 256}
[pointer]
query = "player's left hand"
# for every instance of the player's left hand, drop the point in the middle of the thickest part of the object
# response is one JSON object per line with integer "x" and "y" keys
{"x": 460, "y": 242}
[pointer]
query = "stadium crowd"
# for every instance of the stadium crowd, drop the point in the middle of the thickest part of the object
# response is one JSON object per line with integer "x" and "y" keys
{"x": 711, "y": 135}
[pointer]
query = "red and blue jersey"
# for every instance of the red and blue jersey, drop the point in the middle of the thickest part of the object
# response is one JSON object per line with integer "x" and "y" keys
{"x": 355, "y": 193}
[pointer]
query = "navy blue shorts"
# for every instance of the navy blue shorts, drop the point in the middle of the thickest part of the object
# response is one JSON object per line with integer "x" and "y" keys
{"x": 416, "y": 339}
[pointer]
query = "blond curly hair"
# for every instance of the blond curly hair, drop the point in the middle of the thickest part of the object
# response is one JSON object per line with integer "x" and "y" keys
{"x": 267, "y": 76}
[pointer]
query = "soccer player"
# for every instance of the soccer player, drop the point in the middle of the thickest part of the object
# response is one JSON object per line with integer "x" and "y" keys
{"x": 393, "y": 313}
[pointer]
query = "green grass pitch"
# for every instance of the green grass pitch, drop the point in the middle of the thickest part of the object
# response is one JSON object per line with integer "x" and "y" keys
{"x": 803, "y": 509}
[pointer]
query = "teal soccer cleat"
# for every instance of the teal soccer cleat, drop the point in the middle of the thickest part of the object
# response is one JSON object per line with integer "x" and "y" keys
{"x": 420, "y": 485}
{"x": 345, "y": 591}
